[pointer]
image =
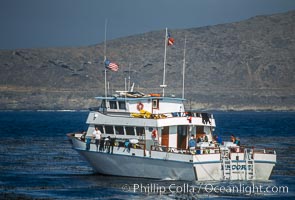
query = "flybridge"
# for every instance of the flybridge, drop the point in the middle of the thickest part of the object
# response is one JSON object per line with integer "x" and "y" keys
{"x": 135, "y": 96}
{"x": 139, "y": 102}
{"x": 138, "y": 99}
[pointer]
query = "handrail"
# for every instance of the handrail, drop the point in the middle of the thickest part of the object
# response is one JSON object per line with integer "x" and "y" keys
{"x": 159, "y": 115}
{"x": 253, "y": 150}
{"x": 166, "y": 149}
{"x": 203, "y": 150}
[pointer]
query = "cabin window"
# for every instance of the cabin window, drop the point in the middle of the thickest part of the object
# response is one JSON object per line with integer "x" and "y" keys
{"x": 181, "y": 136}
{"x": 155, "y": 103}
{"x": 100, "y": 127}
{"x": 129, "y": 130}
{"x": 119, "y": 130}
{"x": 122, "y": 105}
{"x": 199, "y": 131}
{"x": 182, "y": 130}
{"x": 109, "y": 129}
{"x": 113, "y": 105}
{"x": 140, "y": 131}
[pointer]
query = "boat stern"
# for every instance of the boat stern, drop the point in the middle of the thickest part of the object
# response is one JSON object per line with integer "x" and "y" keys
{"x": 264, "y": 164}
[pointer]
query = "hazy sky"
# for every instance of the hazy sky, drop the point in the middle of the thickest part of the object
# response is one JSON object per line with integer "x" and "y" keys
{"x": 51, "y": 23}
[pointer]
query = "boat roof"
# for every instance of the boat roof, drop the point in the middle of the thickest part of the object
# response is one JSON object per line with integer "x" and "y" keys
{"x": 138, "y": 98}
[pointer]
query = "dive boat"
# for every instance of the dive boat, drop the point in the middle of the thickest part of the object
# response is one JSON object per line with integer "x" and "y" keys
{"x": 154, "y": 136}
{"x": 151, "y": 137}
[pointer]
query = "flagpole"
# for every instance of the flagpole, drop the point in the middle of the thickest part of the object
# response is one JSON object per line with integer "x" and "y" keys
{"x": 183, "y": 67}
{"x": 105, "y": 52}
{"x": 108, "y": 87}
{"x": 165, "y": 52}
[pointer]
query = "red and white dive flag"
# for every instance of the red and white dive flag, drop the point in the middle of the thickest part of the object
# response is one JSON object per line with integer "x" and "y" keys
{"x": 170, "y": 40}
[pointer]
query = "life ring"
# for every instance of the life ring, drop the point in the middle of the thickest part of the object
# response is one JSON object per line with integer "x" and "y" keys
{"x": 154, "y": 133}
{"x": 139, "y": 106}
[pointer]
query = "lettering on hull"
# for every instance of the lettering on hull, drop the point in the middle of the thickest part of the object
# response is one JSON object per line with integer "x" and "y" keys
{"x": 237, "y": 167}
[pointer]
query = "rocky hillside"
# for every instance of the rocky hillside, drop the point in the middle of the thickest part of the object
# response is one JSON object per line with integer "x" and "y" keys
{"x": 243, "y": 65}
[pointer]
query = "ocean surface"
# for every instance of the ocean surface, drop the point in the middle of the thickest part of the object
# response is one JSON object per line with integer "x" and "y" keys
{"x": 37, "y": 161}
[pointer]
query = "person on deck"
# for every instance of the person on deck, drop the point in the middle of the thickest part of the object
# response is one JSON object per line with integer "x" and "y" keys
{"x": 112, "y": 144}
{"x": 205, "y": 137}
{"x": 218, "y": 139}
{"x": 83, "y": 136}
{"x": 232, "y": 138}
{"x": 237, "y": 142}
{"x": 97, "y": 136}
{"x": 101, "y": 144}
{"x": 192, "y": 144}
{"x": 107, "y": 144}
{"x": 127, "y": 145}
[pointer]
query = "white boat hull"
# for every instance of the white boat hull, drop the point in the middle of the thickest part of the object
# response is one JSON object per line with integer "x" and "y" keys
{"x": 132, "y": 166}
{"x": 163, "y": 165}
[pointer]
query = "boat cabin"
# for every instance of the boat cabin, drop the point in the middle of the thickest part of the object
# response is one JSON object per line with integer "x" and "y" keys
{"x": 153, "y": 119}
{"x": 154, "y": 105}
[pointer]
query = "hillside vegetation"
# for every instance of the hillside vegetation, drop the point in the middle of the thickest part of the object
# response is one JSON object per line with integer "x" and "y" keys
{"x": 236, "y": 66}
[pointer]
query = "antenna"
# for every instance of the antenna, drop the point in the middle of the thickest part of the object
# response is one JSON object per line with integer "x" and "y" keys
{"x": 131, "y": 89}
{"x": 105, "y": 52}
{"x": 129, "y": 78}
{"x": 183, "y": 67}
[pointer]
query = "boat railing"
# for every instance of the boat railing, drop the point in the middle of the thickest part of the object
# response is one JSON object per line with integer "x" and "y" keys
{"x": 206, "y": 117}
{"x": 168, "y": 149}
{"x": 118, "y": 142}
{"x": 206, "y": 150}
{"x": 251, "y": 150}
{"x": 197, "y": 150}
{"x": 270, "y": 151}
{"x": 237, "y": 149}
{"x": 264, "y": 150}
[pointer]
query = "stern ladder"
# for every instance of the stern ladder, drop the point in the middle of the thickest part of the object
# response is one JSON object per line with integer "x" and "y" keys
{"x": 250, "y": 165}
{"x": 226, "y": 165}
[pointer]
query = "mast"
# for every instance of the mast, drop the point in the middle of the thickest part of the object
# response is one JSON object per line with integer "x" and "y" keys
{"x": 108, "y": 90}
{"x": 165, "y": 52}
{"x": 105, "y": 52}
{"x": 129, "y": 78}
{"x": 183, "y": 67}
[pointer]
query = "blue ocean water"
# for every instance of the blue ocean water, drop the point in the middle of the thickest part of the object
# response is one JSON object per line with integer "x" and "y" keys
{"x": 37, "y": 161}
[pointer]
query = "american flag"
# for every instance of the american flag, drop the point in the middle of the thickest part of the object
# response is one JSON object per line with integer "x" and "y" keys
{"x": 111, "y": 65}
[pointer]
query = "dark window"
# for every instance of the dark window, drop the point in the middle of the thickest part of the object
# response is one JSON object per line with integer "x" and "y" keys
{"x": 155, "y": 103}
{"x": 100, "y": 128}
{"x": 182, "y": 130}
{"x": 129, "y": 130}
{"x": 109, "y": 129}
{"x": 140, "y": 131}
{"x": 122, "y": 105}
{"x": 119, "y": 130}
{"x": 200, "y": 129}
{"x": 113, "y": 105}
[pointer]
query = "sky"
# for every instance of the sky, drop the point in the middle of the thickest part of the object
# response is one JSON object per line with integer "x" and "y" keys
{"x": 73, "y": 23}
